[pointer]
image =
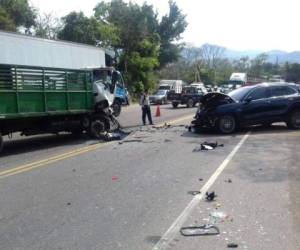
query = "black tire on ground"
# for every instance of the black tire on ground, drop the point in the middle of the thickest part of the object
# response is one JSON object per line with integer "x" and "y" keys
{"x": 190, "y": 103}
{"x": 175, "y": 105}
{"x": 1, "y": 142}
{"x": 294, "y": 120}
{"x": 98, "y": 129}
{"x": 227, "y": 124}
{"x": 117, "y": 107}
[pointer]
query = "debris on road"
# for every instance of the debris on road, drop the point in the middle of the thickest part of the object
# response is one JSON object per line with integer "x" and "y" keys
{"x": 208, "y": 146}
{"x": 232, "y": 245}
{"x": 194, "y": 192}
{"x": 217, "y": 216}
{"x": 210, "y": 196}
{"x": 204, "y": 230}
{"x": 165, "y": 126}
{"x": 114, "y": 178}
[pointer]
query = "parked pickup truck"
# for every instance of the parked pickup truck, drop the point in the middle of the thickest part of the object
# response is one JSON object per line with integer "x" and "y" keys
{"x": 189, "y": 96}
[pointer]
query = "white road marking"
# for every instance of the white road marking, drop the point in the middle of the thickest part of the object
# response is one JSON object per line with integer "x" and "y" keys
{"x": 170, "y": 234}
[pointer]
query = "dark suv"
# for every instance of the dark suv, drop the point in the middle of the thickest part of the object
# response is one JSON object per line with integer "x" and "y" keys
{"x": 252, "y": 105}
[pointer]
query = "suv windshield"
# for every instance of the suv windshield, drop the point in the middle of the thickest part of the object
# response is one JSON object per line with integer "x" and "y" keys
{"x": 239, "y": 94}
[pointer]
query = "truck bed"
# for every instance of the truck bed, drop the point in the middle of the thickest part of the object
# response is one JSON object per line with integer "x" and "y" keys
{"x": 34, "y": 91}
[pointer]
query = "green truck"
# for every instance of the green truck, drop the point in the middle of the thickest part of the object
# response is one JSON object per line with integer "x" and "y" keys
{"x": 35, "y": 100}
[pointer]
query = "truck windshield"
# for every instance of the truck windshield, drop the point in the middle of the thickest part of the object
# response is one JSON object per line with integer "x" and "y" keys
{"x": 103, "y": 76}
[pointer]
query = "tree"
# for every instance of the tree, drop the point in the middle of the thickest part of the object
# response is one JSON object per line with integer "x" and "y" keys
{"x": 79, "y": 28}
{"x": 139, "y": 29}
{"x": 16, "y": 13}
{"x": 6, "y": 22}
{"x": 138, "y": 44}
{"x": 47, "y": 26}
{"x": 170, "y": 28}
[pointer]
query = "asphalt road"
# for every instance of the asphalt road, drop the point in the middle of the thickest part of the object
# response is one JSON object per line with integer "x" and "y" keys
{"x": 71, "y": 193}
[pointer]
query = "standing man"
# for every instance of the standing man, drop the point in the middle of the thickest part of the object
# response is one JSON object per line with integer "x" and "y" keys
{"x": 145, "y": 104}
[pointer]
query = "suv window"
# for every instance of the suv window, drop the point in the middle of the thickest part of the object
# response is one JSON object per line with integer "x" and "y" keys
{"x": 282, "y": 91}
{"x": 259, "y": 93}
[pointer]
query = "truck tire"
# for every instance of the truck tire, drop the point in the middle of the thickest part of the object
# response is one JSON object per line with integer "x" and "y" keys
{"x": 190, "y": 103}
{"x": 1, "y": 142}
{"x": 294, "y": 120}
{"x": 227, "y": 124}
{"x": 117, "y": 107}
{"x": 175, "y": 105}
{"x": 98, "y": 129}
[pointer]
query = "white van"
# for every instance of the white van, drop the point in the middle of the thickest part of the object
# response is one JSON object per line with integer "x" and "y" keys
{"x": 175, "y": 85}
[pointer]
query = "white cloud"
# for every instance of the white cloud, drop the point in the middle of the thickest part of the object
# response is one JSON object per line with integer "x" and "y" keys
{"x": 237, "y": 24}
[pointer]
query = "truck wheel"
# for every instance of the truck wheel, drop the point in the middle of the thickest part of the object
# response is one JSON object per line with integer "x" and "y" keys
{"x": 294, "y": 120}
{"x": 175, "y": 105}
{"x": 227, "y": 124}
{"x": 117, "y": 107}
{"x": 98, "y": 129}
{"x": 1, "y": 142}
{"x": 190, "y": 103}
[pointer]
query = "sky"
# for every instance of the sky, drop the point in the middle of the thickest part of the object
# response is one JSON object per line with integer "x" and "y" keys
{"x": 262, "y": 25}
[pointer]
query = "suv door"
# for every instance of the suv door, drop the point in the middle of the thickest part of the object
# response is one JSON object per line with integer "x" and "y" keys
{"x": 281, "y": 97}
{"x": 256, "y": 106}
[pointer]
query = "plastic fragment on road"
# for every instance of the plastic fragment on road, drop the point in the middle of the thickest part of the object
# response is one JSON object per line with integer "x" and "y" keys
{"x": 205, "y": 230}
{"x": 232, "y": 245}
{"x": 210, "y": 196}
{"x": 208, "y": 146}
{"x": 194, "y": 192}
{"x": 217, "y": 217}
{"x": 114, "y": 178}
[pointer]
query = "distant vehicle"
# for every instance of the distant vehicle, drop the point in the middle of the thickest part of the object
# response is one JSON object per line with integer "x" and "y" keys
{"x": 175, "y": 85}
{"x": 189, "y": 96}
{"x": 252, "y": 105}
{"x": 160, "y": 97}
{"x": 199, "y": 85}
{"x": 237, "y": 79}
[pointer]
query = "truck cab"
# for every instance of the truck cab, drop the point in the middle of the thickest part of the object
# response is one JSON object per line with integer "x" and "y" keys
{"x": 109, "y": 89}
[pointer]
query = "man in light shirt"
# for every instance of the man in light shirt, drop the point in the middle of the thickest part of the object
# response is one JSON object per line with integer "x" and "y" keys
{"x": 145, "y": 104}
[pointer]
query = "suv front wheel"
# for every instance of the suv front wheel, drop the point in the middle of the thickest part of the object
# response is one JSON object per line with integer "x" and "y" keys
{"x": 227, "y": 124}
{"x": 294, "y": 120}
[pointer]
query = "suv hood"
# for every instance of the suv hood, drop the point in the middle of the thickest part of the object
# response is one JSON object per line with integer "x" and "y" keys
{"x": 215, "y": 99}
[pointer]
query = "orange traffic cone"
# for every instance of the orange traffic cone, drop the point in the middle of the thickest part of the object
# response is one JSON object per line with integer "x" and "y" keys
{"x": 157, "y": 111}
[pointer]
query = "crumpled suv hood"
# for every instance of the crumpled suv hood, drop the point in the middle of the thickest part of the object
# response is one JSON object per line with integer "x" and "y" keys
{"x": 214, "y": 99}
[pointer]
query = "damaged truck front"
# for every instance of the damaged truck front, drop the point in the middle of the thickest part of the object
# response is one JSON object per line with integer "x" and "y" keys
{"x": 36, "y": 100}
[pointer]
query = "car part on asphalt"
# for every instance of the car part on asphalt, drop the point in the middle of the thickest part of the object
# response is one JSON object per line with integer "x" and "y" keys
{"x": 210, "y": 196}
{"x": 205, "y": 230}
{"x": 232, "y": 245}
{"x": 194, "y": 192}
{"x": 208, "y": 146}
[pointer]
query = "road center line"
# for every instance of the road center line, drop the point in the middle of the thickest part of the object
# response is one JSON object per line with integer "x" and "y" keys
{"x": 170, "y": 234}
{"x": 66, "y": 155}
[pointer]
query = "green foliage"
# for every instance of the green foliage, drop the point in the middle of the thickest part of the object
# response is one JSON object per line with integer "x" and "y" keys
{"x": 16, "y": 13}
{"x": 47, "y": 26}
{"x": 79, "y": 28}
{"x": 144, "y": 43}
{"x": 170, "y": 28}
{"x": 6, "y": 22}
